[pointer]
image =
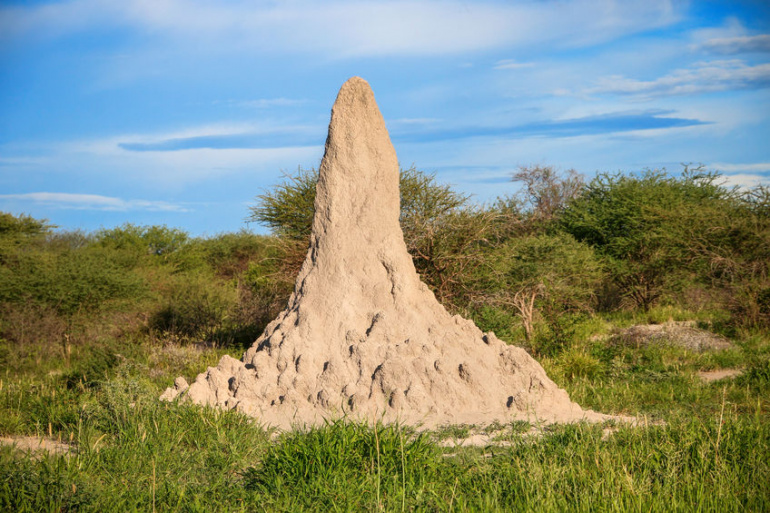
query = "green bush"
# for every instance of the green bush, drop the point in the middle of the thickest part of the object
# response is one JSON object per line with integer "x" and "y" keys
{"x": 501, "y": 321}
{"x": 71, "y": 281}
{"x": 540, "y": 276}
{"x": 153, "y": 240}
{"x": 94, "y": 368}
{"x": 229, "y": 255}
{"x": 20, "y": 230}
{"x": 197, "y": 310}
{"x": 200, "y": 309}
{"x": 576, "y": 363}
{"x": 289, "y": 206}
{"x": 649, "y": 227}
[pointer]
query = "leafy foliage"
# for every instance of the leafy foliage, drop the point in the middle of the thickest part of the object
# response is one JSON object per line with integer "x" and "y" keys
{"x": 152, "y": 240}
{"x": 554, "y": 274}
{"x": 69, "y": 281}
{"x": 657, "y": 231}
{"x": 288, "y": 208}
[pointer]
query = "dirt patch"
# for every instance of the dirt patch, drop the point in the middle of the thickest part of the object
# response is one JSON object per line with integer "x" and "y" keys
{"x": 475, "y": 440}
{"x": 716, "y": 375}
{"x": 680, "y": 334}
{"x": 505, "y": 437}
{"x": 32, "y": 444}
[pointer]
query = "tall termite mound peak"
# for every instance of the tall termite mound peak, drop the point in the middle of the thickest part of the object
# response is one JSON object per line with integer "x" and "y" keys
{"x": 362, "y": 336}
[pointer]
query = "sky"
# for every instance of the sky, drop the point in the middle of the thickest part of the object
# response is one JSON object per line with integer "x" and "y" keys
{"x": 181, "y": 112}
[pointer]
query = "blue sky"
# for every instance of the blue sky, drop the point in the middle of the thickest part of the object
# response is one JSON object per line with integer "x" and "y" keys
{"x": 180, "y": 112}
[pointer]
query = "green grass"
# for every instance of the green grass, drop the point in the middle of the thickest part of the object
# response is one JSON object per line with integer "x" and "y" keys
{"x": 171, "y": 458}
{"x": 700, "y": 447}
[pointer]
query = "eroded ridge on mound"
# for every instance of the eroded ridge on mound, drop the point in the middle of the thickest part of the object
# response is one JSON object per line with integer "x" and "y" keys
{"x": 362, "y": 336}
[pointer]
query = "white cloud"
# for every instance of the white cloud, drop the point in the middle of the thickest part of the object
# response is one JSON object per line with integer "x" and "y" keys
{"x": 21, "y": 161}
{"x": 741, "y": 44}
{"x": 343, "y": 28}
{"x": 177, "y": 169}
{"x": 111, "y": 144}
{"x": 741, "y": 168}
{"x": 209, "y": 130}
{"x": 94, "y": 202}
{"x": 745, "y": 179}
{"x": 413, "y": 121}
{"x": 512, "y": 64}
{"x": 702, "y": 77}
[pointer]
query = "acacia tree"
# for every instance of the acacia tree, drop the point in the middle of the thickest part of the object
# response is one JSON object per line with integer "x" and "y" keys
{"x": 655, "y": 231}
{"x": 546, "y": 191}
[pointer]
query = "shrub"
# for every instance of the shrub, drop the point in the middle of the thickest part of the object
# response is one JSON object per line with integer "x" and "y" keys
{"x": 159, "y": 241}
{"x": 69, "y": 281}
{"x": 540, "y": 274}
{"x": 231, "y": 254}
{"x": 93, "y": 368}
{"x": 576, "y": 363}
{"x": 288, "y": 208}
{"x": 200, "y": 309}
{"x": 21, "y": 227}
{"x": 653, "y": 229}
{"x": 28, "y": 328}
{"x": 196, "y": 311}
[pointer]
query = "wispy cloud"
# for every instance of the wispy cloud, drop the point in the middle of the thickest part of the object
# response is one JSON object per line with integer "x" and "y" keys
{"x": 512, "y": 64}
{"x": 204, "y": 130}
{"x": 753, "y": 167}
{"x": 736, "y": 168}
{"x": 734, "y": 45}
{"x": 350, "y": 28}
{"x": 746, "y": 174}
{"x": 264, "y": 103}
{"x": 94, "y": 202}
{"x": 616, "y": 122}
{"x": 222, "y": 137}
{"x": 702, "y": 77}
{"x": 225, "y": 142}
{"x": 477, "y": 174}
{"x": 415, "y": 121}
{"x": 20, "y": 162}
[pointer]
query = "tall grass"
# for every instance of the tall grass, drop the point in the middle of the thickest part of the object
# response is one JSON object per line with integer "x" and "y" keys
{"x": 131, "y": 452}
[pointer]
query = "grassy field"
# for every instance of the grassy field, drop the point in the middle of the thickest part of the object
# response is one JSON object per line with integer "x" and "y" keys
{"x": 94, "y": 326}
{"x": 699, "y": 446}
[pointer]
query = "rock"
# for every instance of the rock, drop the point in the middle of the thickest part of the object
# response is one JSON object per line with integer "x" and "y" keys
{"x": 362, "y": 336}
